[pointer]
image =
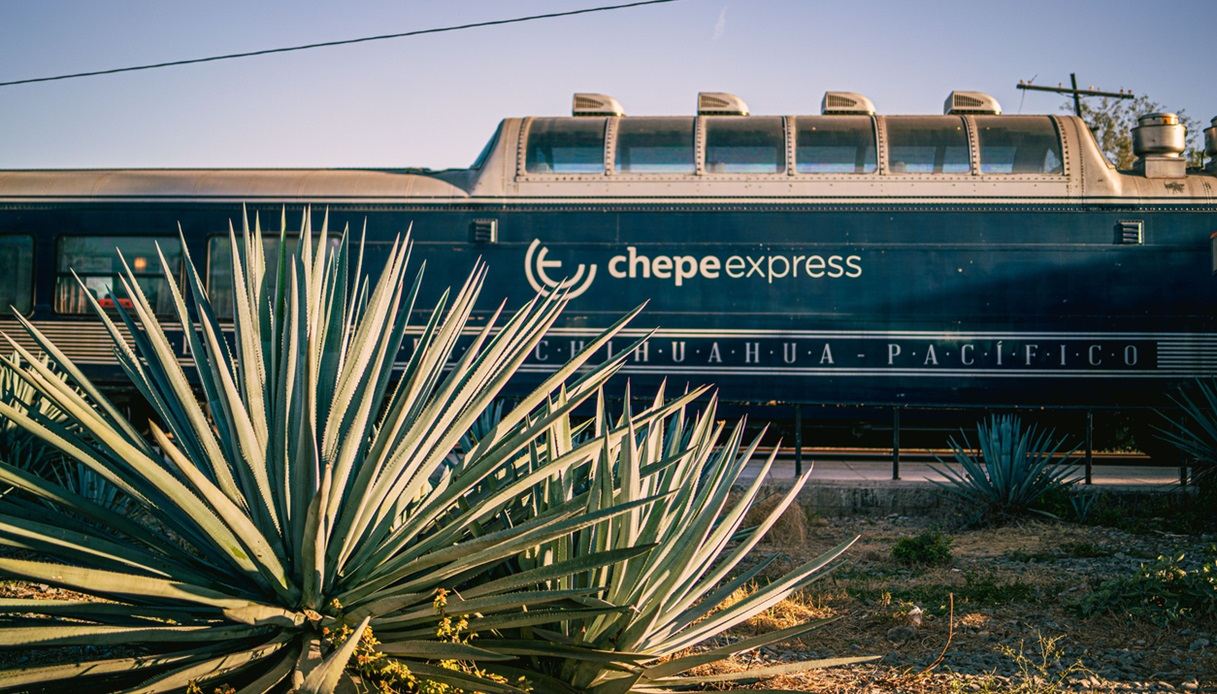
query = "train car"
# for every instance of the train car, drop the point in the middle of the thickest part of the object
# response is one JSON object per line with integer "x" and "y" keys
{"x": 964, "y": 259}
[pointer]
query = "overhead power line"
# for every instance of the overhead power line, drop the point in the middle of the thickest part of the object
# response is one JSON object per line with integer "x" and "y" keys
{"x": 340, "y": 42}
{"x": 1077, "y": 93}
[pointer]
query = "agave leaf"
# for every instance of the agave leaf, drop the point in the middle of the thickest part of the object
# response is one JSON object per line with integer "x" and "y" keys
{"x": 678, "y": 665}
{"x": 209, "y": 669}
{"x": 20, "y": 677}
{"x": 101, "y": 582}
{"x": 324, "y": 678}
{"x": 273, "y": 675}
{"x": 39, "y": 636}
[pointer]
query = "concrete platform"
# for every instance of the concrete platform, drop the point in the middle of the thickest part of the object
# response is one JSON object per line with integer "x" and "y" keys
{"x": 878, "y": 473}
{"x": 853, "y": 487}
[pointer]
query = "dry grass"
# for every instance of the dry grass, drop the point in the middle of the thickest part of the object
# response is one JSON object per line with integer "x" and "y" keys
{"x": 1000, "y": 603}
{"x": 791, "y": 528}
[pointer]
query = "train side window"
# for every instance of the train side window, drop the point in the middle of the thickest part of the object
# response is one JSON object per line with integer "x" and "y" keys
{"x": 219, "y": 267}
{"x": 95, "y": 260}
{"x": 835, "y": 144}
{"x": 745, "y": 145}
{"x": 565, "y": 146}
{"x": 655, "y": 145}
{"x": 16, "y": 274}
{"x": 1018, "y": 145}
{"x": 927, "y": 144}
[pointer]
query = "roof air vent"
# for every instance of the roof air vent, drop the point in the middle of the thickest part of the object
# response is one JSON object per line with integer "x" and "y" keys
{"x": 970, "y": 104}
{"x": 846, "y": 104}
{"x": 586, "y": 104}
{"x": 1159, "y": 140}
{"x": 720, "y": 104}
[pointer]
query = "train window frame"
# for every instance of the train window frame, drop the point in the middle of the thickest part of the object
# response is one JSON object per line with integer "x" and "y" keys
{"x": 31, "y": 285}
{"x": 697, "y": 145}
{"x": 67, "y": 275}
{"x": 793, "y": 144}
{"x": 886, "y": 149}
{"x": 707, "y": 124}
{"x": 978, "y": 123}
{"x": 523, "y": 161}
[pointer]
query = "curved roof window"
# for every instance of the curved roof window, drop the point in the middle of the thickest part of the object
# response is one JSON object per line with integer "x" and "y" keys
{"x": 745, "y": 145}
{"x": 655, "y": 145}
{"x": 1018, "y": 145}
{"x": 927, "y": 144}
{"x": 835, "y": 144}
{"x": 565, "y": 146}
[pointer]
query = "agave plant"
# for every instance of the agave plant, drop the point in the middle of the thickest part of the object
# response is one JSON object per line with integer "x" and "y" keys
{"x": 17, "y": 446}
{"x": 294, "y": 479}
{"x": 1017, "y": 465}
{"x": 673, "y": 598}
{"x": 1194, "y": 432}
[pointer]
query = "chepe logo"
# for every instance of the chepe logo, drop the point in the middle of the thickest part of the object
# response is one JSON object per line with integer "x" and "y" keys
{"x": 537, "y": 267}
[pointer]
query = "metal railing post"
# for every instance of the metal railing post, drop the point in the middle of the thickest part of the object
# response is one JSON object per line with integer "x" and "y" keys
{"x": 1089, "y": 447}
{"x": 798, "y": 441}
{"x": 895, "y": 443}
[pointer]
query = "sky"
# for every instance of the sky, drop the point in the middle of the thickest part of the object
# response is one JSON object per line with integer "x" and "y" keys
{"x": 434, "y": 100}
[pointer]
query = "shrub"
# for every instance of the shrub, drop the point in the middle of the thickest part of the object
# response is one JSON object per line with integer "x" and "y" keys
{"x": 1194, "y": 435}
{"x": 1164, "y": 590}
{"x": 1016, "y": 467}
{"x": 930, "y": 548}
{"x": 1082, "y": 503}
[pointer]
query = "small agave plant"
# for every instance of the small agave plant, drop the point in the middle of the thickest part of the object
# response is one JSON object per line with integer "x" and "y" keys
{"x": 1193, "y": 431}
{"x": 1017, "y": 465}
{"x": 18, "y": 446}
{"x": 293, "y": 481}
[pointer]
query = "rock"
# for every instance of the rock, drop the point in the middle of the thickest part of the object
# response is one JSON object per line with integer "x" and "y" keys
{"x": 1191, "y": 685}
{"x": 900, "y": 634}
{"x": 1198, "y": 644}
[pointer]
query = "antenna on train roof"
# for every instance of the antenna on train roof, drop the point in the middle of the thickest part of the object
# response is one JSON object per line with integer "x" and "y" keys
{"x": 1077, "y": 93}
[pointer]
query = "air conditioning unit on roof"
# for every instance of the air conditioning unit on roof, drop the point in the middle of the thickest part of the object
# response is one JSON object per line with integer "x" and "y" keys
{"x": 588, "y": 104}
{"x": 970, "y": 104}
{"x": 846, "y": 104}
{"x": 720, "y": 104}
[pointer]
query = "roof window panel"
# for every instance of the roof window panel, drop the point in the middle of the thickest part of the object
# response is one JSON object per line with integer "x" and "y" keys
{"x": 927, "y": 145}
{"x": 835, "y": 144}
{"x": 1018, "y": 145}
{"x": 754, "y": 145}
{"x": 655, "y": 146}
{"x": 565, "y": 146}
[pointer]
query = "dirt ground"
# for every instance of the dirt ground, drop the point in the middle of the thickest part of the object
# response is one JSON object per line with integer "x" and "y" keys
{"x": 1015, "y": 624}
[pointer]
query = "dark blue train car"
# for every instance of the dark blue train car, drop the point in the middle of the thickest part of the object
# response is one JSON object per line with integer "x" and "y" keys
{"x": 968, "y": 259}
